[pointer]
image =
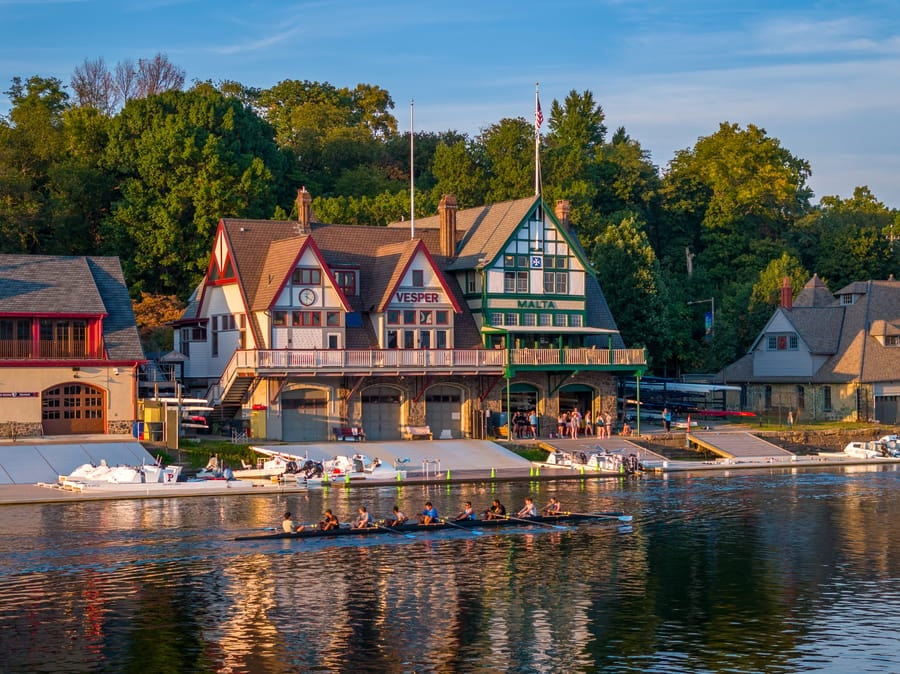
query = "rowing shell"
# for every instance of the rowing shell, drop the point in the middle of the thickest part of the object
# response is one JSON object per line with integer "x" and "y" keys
{"x": 429, "y": 528}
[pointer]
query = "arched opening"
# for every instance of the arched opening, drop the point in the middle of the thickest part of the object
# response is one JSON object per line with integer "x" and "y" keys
{"x": 381, "y": 408}
{"x": 443, "y": 410}
{"x": 73, "y": 408}
{"x": 304, "y": 415}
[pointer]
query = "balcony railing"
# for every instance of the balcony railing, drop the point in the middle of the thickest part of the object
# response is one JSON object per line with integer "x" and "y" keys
{"x": 388, "y": 361}
{"x": 26, "y": 349}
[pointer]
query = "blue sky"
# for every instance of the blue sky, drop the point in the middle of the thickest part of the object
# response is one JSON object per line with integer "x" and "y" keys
{"x": 822, "y": 77}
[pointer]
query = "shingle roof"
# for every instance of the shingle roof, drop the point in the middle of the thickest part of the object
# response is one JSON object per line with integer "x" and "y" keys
{"x": 814, "y": 294}
{"x": 93, "y": 286}
{"x": 818, "y": 327}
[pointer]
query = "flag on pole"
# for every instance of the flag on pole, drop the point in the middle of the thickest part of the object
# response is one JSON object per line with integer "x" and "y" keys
{"x": 538, "y": 115}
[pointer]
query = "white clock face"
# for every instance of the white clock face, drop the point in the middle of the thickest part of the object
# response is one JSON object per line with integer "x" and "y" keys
{"x": 307, "y": 296}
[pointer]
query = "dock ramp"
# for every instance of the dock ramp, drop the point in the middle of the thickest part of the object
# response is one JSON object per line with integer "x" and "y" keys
{"x": 739, "y": 445}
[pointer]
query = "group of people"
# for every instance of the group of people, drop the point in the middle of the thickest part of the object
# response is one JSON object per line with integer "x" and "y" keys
{"x": 429, "y": 515}
{"x": 525, "y": 424}
{"x": 572, "y": 424}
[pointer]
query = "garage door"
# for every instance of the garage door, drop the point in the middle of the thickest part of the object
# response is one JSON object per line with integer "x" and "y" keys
{"x": 381, "y": 413}
{"x": 886, "y": 409}
{"x": 304, "y": 415}
{"x": 443, "y": 411}
{"x": 72, "y": 408}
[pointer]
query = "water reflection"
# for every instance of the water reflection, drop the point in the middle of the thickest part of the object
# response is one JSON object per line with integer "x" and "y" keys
{"x": 775, "y": 571}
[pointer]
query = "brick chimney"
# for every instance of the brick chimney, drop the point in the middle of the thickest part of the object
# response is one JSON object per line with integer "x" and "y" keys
{"x": 304, "y": 210}
{"x": 787, "y": 295}
{"x": 562, "y": 210}
{"x": 447, "y": 210}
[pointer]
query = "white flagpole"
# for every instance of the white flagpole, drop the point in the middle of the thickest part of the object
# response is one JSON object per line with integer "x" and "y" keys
{"x": 412, "y": 173}
{"x": 537, "y": 143}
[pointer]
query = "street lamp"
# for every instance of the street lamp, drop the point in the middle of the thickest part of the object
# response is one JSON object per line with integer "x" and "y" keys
{"x": 712, "y": 314}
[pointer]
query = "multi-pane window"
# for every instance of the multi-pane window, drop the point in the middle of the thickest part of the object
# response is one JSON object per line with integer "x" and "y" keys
{"x": 512, "y": 319}
{"x": 556, "y": 282}
{"x": 529, "y": 319}
{"x": 826, "y": 392}
{"x": 515, "y": 282}
{"x": 332, "y": 318}
{"x": 545, "y": 319}
{"x": 575, "y": 320}
{"x": 346, "y": 281}
{"x": 782, "y": 342}
{"x": 306, "y": 276}
{"x": 305, "y": 319}
{"x": 559, "y": 320}
{"x": 279, "y": 318}
{"x": 497, "y": 319}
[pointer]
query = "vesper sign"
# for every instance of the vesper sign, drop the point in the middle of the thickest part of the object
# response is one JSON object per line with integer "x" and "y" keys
{"x": 417, "y": 298}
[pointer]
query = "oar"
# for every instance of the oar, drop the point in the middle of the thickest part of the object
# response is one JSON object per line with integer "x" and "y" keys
{"x": 393, "y": 531}
{"x": 474, "y": 532}
{"x": 605, "y": 516}
{"x": 527, "y": 521}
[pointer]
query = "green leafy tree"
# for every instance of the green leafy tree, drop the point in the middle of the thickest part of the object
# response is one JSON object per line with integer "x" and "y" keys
{"x": 457, "y": 172}
{"x": 182, "y": 161}
{"x": 507, "y": 156}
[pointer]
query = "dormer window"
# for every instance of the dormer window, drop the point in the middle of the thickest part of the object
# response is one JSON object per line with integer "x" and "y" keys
{"x": 346, "y": 281}
{"x": 304, "y": 276}
{"x": 892, "y": 340}
{"x": 782, "y": 343}
{"x": 848, "y": 299}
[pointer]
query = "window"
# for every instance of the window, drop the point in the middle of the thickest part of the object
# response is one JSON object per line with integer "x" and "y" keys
{"x": 279, "y": 318}
{"x": 847, "y": 299}
{"x": 801, "y": 398}
{"x": 303, "y": 276}
{"x": 309, "y": 318}
{"x": 515, "y": 281}
{"x": 440, "y": 339}
{"x": 393, "y": 317}
{"x": 892, "y": 340}
{"x": 424, "y": 339}
{"x": 559, "y": 320}
{"x": 409, "y": 317}
{"x": 470, "y": 282}
{"x": 771, "y": 343}
{"x": 575, "y": 320}
{"x": 768, "y": 397}
{"x": 496, "y": 319}
{"x": 334, "y": 341}
{"x": 512, "y": 319}
{"x": 556, "y": 282}
{"x": 782, "y": 342}
{"x": 333, "y": 318}
{"x": 409, "y": 339}
{"x": 418, "y": 278}
{"x": 346, "y": 281}
{"x": 392, "y": 339}
{"x": 426, "y": 318}
{"x": 793, "y": 342}
{"x": 826, "y": 394}
{"x": 442, "y": 317}
{"x": 529, "y": 319}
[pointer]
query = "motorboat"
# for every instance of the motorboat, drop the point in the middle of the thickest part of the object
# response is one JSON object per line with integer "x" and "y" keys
{"x": 342, "y": 469}
{"x": 863, "y": 450}
{"x": 90, "y": 475}
{"x": 890, "y": 445}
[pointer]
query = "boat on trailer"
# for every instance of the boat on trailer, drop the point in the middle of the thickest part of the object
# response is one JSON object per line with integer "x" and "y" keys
{"x": 552, "y": 521}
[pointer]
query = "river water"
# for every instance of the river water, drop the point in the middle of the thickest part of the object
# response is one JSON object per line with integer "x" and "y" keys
{"x": 753, "y": 571}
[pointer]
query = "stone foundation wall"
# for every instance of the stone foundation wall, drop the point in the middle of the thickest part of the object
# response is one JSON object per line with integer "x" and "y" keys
{"x": 20, "y": 429}
{"x": 120, "y": 427}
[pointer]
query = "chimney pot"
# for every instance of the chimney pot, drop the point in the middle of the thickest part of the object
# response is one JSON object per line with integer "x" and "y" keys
{"x": 304, "y": 201}
{"x": 787, "y": 295}
{"x": 562, "y": 210}
{"x": 447, "y": 210}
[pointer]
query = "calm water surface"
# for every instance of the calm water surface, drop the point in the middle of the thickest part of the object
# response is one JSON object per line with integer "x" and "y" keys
{"x": 781, "y": 571}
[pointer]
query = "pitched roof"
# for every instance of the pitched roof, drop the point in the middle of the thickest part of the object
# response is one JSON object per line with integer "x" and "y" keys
{"x": 818, "y": 327}
{"x": 92, "y": 286}
{"x": 814, "y": 294}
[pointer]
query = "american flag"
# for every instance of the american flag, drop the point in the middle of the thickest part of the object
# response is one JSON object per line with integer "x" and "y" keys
{"x": 538, "y": 115}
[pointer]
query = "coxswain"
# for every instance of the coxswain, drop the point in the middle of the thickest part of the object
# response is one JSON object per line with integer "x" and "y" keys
{"x": 497, "y": 511}
{"x": 528, "y": 510}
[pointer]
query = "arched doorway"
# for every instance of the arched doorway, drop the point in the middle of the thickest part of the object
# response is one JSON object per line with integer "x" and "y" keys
{"x": 576, "y": 395}
{"x": 304, "y": 415}
{"x": 522, "y": 398}
{"x": 73, "y": 408}
{"x": 381, "y": 406}
{"x": 443, "y": 410}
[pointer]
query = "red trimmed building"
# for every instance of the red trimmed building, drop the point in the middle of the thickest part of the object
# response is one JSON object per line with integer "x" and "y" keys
{"x": 69, "y": 347}
{"x": 303, "y": 327}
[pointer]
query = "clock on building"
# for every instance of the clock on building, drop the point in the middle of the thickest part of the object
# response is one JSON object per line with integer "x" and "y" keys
{"x": 307, "y": 296}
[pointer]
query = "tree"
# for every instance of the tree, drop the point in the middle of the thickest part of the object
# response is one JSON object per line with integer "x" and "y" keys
{"x": 506, "y": 151}
{"x": 94, "y": 86}
{"x": 766, "y": 293}
{"x": 457, "y": 172}
{"x": 153, "y": 315}
{"x": 182, "y": 161}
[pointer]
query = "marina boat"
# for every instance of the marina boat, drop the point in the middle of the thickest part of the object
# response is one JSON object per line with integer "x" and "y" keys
{"x": 340, "y": 469}
{"x": 863, "y": 450}
{"x": 552, "y": 521}
{"x": 93, "y": 476}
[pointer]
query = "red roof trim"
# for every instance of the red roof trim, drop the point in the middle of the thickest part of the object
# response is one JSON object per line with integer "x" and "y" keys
{"x": 311, "y": 244}
{"x": 420, "y": 246}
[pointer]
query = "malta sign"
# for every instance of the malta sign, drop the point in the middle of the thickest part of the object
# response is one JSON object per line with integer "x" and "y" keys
{"x": 537, "y": 304}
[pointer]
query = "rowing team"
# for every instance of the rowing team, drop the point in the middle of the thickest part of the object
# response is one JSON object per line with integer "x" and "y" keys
{"x": 429, "y": 515}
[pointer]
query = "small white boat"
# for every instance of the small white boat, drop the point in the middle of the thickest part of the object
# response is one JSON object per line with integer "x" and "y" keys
{"x": 89, "y": 475}
{"x": 341, "y": 469}
{"x": 863, "y": 450}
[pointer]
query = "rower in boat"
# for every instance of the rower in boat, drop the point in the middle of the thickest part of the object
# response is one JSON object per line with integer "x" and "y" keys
{"x": 552, "y": 508}
{"x": 288, "y": 524}
{"x": 329, "y": 521}
{"x": 398, "y": 517}
{"x": 468, "y": 512}
{"x": 528, "y": 510}
{"x": 363, "y": 519}
{"x": 429, "y": 515}
{"x": 497, "y": 511}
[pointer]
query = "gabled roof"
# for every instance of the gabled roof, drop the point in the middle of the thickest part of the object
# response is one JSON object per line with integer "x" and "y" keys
{"x": 69, "y": 285}
{"x": 846, "y": 333}
{"x": 487, "y": 229}
{"x": 397, "y": 259}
